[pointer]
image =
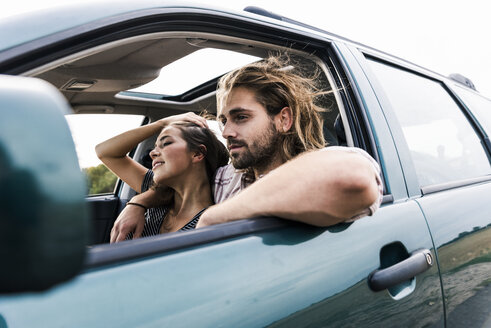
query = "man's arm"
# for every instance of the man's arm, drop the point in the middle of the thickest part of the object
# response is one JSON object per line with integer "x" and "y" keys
{"x": 132, "y": 217}
{"x": 321, "y": 188}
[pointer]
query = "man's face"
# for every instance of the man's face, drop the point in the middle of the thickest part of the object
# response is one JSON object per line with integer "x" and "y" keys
{"x": 252, "y": 137}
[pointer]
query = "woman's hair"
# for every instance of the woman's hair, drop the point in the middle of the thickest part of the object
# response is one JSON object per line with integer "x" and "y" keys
{"x": 277, "y": 84}
{"x": 196, "y": 137}
{"x": 202, "y": 140}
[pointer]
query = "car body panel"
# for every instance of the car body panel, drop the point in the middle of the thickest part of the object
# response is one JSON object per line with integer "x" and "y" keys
{"x": 460, "y": 233}
{"x": 251, "y": 281}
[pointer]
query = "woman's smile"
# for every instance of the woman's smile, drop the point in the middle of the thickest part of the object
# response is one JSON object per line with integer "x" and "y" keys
{"x": 156, "y": 164}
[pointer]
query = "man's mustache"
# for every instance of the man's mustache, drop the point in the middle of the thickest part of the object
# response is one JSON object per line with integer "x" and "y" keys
{"x": 236, "y": 143}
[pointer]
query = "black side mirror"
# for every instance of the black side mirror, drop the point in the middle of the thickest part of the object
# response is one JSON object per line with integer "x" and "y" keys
{"x": 43, "y": 219}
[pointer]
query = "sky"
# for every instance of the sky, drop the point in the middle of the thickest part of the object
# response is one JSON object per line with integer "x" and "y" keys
{"x": 446, "y": 36}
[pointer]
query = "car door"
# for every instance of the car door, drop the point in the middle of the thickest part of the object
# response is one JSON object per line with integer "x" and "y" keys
{"x": 275, "y": 274}
{"x": 447, "y": 150}
{"x": 466, "y": 256}
{"x": 261, "y": 271}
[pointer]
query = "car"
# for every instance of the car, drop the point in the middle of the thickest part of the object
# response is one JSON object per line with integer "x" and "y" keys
{"x": 422, "y": 260}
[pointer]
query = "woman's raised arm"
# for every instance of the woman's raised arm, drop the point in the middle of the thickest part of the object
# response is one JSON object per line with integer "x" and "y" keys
{"x": 114, "y": 151}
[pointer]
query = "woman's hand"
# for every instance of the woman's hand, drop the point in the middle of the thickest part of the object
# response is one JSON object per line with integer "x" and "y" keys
{"x": 186, "y": 117}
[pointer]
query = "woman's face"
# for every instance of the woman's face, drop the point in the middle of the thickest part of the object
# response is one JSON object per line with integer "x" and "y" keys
{"x": 170, "y": 158}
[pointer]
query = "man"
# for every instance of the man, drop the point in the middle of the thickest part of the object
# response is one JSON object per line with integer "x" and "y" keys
{"x": 279, "y": 166}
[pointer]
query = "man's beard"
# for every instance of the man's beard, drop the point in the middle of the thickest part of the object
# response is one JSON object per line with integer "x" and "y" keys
{"x": 260, "y": 153}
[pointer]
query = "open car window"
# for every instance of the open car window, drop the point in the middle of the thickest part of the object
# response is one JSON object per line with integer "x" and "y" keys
{"x": 114, "y": 86}
{"x": 87, "y": 131}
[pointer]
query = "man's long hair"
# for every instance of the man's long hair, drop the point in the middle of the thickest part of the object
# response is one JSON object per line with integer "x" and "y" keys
{"x": 277, "y": 83}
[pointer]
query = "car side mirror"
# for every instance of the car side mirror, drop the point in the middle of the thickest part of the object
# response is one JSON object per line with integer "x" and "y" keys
{"x": 43, "y": 218}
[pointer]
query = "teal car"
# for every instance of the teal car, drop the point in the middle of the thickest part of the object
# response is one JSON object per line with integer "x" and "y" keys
{"x": 72, "y": 73}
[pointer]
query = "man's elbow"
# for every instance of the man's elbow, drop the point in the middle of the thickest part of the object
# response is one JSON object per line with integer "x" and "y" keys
{"x": 358, "y": 191}
{"x": 366, "y": 191}
{"x": 364, "y": 188}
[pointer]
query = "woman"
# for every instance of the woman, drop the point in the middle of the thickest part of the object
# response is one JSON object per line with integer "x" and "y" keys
{"x": 184, "y": 160}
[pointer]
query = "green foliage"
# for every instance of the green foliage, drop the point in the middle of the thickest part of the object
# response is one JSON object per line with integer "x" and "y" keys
{"x": 99, "y": 179}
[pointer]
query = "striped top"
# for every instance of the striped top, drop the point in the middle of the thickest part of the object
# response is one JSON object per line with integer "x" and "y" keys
{"x": 154, "y": 217}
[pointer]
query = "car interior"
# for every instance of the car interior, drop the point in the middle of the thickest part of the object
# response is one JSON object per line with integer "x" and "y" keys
{"x": 112, "y": 79}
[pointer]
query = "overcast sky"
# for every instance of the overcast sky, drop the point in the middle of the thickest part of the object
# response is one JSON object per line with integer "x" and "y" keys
{"x": 446, "y": 36}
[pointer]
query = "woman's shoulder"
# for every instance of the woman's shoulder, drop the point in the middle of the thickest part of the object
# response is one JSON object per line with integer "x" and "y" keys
{"x": 147, "y": 181}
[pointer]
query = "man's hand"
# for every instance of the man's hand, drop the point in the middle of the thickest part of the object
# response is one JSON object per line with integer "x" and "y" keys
{"x": 131, "y": 219}
{"x": 205, "y": 219}
{"x": 220, "y": 213}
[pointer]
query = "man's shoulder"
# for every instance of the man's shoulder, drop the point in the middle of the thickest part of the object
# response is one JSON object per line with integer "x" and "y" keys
{"x": 227, "y": 174}
{"x": 225, "y": 171}
{"x": 355, "y": 150}
{"x": 346, "y": 148}
{"x": 228, "y": 182}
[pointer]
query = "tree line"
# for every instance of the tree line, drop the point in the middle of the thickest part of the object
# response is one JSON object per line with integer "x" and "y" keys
{"x": 99, "y": 179}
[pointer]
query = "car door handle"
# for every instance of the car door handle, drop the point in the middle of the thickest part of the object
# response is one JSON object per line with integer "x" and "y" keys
{"x": 418, "y": 262}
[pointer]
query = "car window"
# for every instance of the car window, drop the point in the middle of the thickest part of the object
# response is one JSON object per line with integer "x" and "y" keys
{"x": 479, "y": 105}
{"x": 87, "y": 131}
{"x": 443, "y": 144}
{"x": 98, "y": 80}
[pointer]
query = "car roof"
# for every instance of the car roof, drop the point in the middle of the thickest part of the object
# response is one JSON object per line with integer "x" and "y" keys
{"x": 18, "y": 29}
{"x": 23, "y": 28}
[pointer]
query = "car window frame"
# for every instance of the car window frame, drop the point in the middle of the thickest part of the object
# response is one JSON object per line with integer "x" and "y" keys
{"x": 398, "y": 135}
